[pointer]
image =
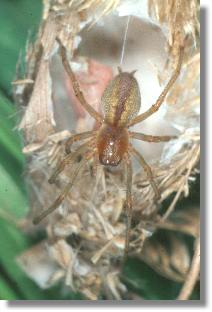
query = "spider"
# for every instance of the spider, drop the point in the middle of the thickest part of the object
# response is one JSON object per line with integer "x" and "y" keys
{"x": 110, "y": 141}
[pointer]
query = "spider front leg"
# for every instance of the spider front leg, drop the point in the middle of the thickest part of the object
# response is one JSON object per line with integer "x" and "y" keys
{"x": 78, "y": 137}
{"x": 162, "y": 96}
{"x": 75, "y": 84}
{"x": 147, "y": 169}
{"x": 151, "y": 138}
{"x": 128, "y": 203}
{"x": 63, "y": 194}
{"x": 70, "y": 158}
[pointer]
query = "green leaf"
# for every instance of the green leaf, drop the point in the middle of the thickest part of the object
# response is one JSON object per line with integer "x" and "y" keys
{"x": 13, "y": 198}
{"x": 12, "y": 242}
{"x": 6, "y": 293}
{"x": 19, "y": 19}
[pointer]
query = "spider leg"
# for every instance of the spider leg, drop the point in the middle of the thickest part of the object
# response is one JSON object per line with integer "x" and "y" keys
{"x": 75, "y": 84}
{"x": 77, "y": 137}
{"x": 147, "y": 169}
{"x": 63, "y": 194}
{"x": 151, "y": 138}
{"x": 128, "y": 204}
{"x": 67, "y": 161}
{"x": 162, "y": 96}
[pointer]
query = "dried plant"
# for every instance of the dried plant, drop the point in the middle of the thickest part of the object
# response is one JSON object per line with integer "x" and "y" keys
{"x": 85, "y": 236}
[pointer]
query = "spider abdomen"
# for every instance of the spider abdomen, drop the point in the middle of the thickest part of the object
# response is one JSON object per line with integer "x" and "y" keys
{"x": 121, "y": 100}
{"x": 112, "y": 144}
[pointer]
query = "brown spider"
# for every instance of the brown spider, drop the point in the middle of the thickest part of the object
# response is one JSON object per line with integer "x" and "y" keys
{"x": 110, "y": 143}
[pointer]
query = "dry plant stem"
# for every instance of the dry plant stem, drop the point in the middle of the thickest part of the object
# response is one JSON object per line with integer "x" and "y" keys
{"x": 128, "y": 204}
{"x": 184, "y": 179}
{"x": 76, "y": 87}
{"x": 162, "y": 96}
{"x": 193, "y": 274}
{"x": 151, "y": 138}
{"x": 147, "y": 169}
{"x": 63, "y": 194}
{"x": 174, "y": 202}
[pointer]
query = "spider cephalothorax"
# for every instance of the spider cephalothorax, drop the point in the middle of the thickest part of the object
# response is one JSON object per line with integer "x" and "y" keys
{"x": 110, "y": 141}
{"x": 112, "y": 144}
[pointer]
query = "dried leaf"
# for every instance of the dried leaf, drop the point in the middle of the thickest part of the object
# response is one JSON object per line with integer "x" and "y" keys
{"x": 170, "y": 258}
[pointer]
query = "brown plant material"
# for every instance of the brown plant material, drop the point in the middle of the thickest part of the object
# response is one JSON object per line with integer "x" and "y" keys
{"x": 179, "y": 19}
{"x": 185, "y": 221}
{"x": 193, "y": 274}
{"x": 86, "y": 234}
{"x": 169, "y": 258}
